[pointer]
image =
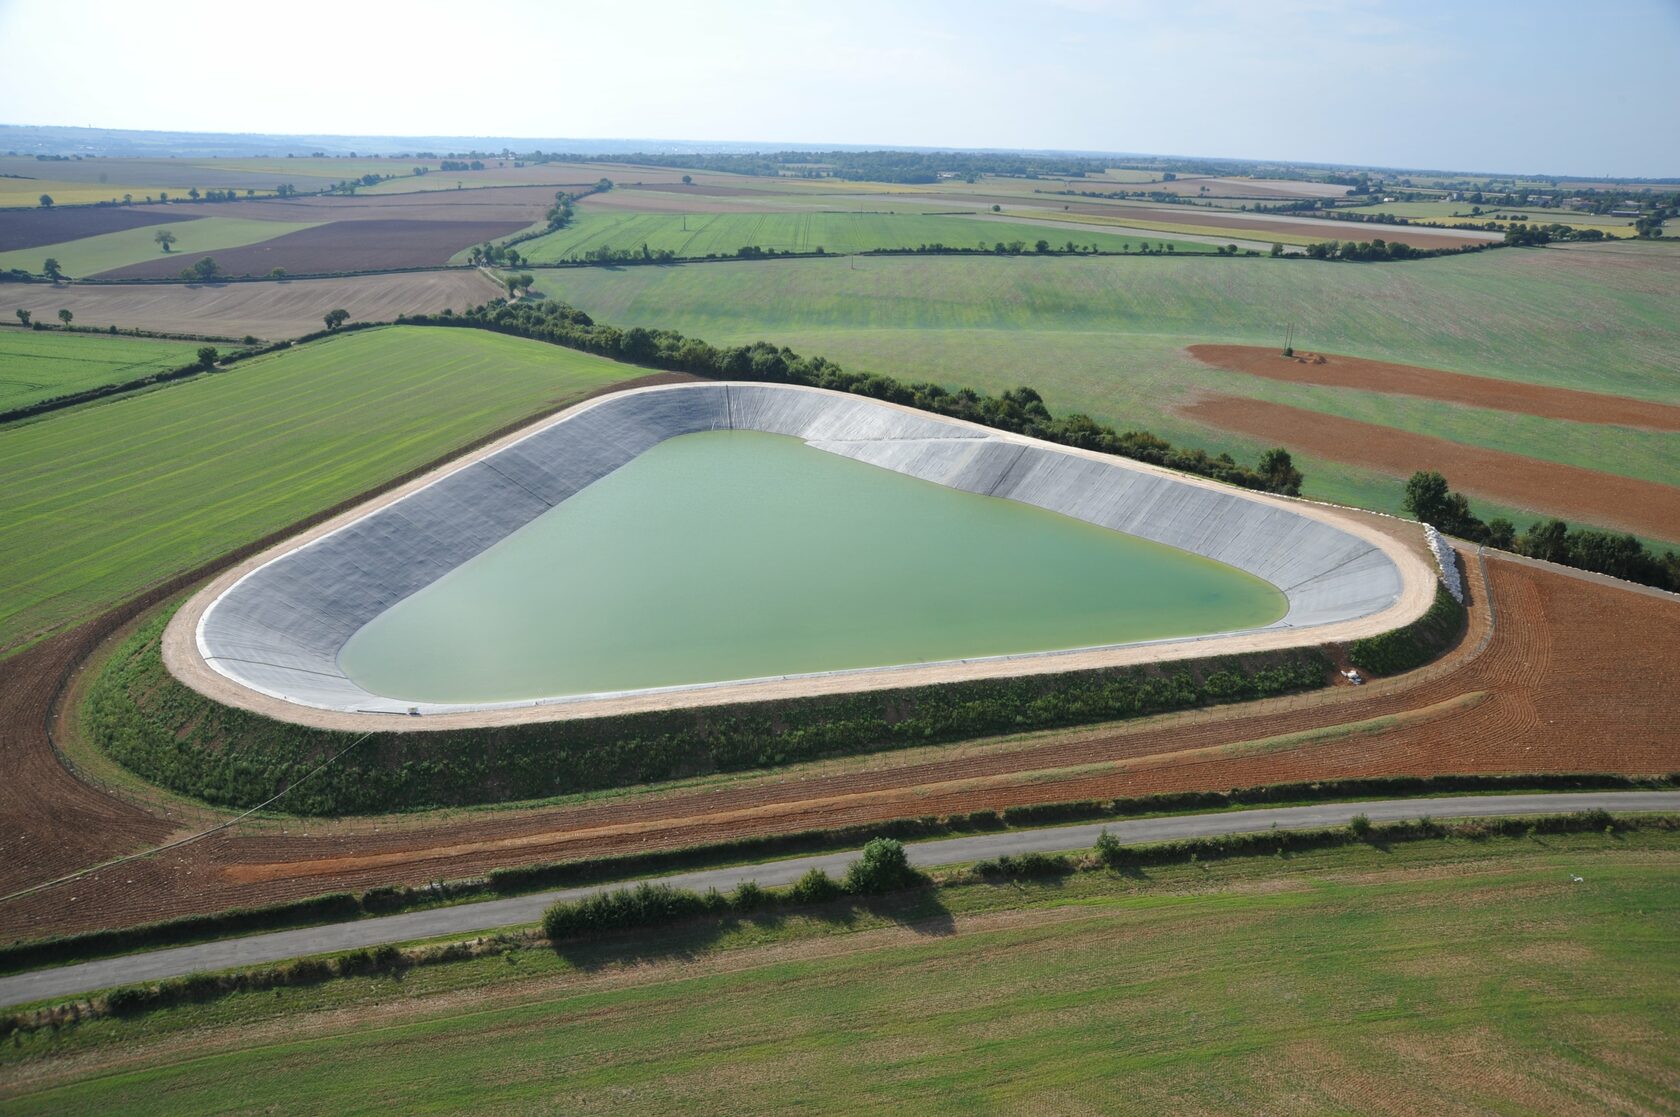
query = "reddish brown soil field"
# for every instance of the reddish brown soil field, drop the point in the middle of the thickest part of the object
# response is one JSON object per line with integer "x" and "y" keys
{"x": 1562, "y": 673}
{"x": 1583, "y": 495}
{"x": 1450, "y": 387}
{"x": 266, "y": 310}
{"x": 26, "y": 228}
{"x": 339, "y": 246}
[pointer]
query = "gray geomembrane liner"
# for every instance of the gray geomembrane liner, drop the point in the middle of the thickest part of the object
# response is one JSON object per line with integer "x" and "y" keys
{"x": 279, "y": 629}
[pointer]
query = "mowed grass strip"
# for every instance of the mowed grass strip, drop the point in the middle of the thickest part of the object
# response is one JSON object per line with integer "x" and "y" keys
{"x": 91, "y": 255}
{"x": 720, "y": 234}
{"x": 1442, "y": 976}
{"x": 40, "y": 364}
{"x": 99, "y": 502}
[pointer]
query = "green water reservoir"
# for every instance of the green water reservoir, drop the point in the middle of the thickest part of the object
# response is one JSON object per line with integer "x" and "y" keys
{"x": 737, "y": 554}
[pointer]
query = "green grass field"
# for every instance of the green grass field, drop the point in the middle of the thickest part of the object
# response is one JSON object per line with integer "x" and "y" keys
{"x": 92, "y": 255}
{"x": 98, "y": 502}
{"x": 1105, "y": 336}
{"x": 1443, "y": 976}
{"x": 720, "y": 234}
{"x": 40, "y": 364}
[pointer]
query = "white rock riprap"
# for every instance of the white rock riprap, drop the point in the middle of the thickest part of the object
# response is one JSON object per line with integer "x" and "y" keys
{"x": 1446, "y": 559}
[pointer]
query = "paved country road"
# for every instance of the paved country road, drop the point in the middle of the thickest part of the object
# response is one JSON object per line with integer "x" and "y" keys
{"x": 65, "y": 981}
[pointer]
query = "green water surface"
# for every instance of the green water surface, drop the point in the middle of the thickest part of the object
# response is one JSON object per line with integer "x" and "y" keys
{"x": 736, "y": 554}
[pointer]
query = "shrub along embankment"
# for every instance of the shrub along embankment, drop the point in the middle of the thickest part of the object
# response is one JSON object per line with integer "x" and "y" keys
{"x": 1408, "y": 648}
{"x": 168, "y": 733}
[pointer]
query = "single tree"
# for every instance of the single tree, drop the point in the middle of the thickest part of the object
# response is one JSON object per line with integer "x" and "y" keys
{"x": 1278, "y": 468}
{"x": 65, "y": 316}
{"x": 23, "y": 316}
{"x": 277, "y": 273}
{"x": 165, "y": 238}
{"x": 997, "y": 209}
{"x": 1426, "y": 496}
{"x": 203, "y": 271}
{"x": 46, "y": 201}
{"x": 207, "y": 357}
{"x": 1277, "y": 250}
{"x": 335, "y": 318}
{"x": 193, "y": 193}
{"x": 51, "y": 269}
{"x": 128, "y": 199}
{"x": 688, "y": 180}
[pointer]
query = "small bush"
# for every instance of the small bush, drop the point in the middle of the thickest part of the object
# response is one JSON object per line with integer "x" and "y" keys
{"x": 748, "y": 896}
{"x": 1360, "y": 824}
{"x": 1027, "y": 866}
{"x": 815, "y": 887}
{"x": 884, "y": 867}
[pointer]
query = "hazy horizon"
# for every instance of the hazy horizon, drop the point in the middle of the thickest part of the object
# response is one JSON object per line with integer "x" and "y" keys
{"x": 1501, "y": 87}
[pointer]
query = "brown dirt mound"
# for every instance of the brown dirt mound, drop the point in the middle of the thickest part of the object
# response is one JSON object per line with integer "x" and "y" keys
{"x": 1583, "y": 495}
{"x": 1576, "y": 675}
{"x": 1449, "y": 387}
{"x": 338, "y": 246}
{"x": 27, "y": 228}
{"x": 267, "y": 310}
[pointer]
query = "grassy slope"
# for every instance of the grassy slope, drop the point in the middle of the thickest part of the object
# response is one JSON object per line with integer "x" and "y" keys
{"x": 722, "y": 233}
{"x": 92, "y": 255}
{"x": 1104, "y": 336}
{"x": 1442, "y": 976}
{"x": 40, "y": 364}
{"x": 98, "y": 502}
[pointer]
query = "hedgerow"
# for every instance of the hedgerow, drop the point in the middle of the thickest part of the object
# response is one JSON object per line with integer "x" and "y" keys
{"x": 1414, "y": 645}
{"x": 164, "y": 731}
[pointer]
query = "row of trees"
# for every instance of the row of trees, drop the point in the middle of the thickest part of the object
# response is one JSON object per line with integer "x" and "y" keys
{"x": 1021, "y": 410}
{"x": 1430, "y": 499}
{"x": 1380, "y": 250}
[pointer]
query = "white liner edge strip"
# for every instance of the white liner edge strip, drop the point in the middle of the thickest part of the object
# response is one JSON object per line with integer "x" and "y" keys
{"x": 278, "y": 628}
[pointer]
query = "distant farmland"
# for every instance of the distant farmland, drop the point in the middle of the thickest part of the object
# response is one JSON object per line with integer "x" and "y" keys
{"x": 267, "y": 310}
{"x": 98, "y": 502}
{"x": 40, "y": 364}
{"x": 704, "y": 234}
{"x": 106, "y": 252}
{"x": 1106, "y": 336}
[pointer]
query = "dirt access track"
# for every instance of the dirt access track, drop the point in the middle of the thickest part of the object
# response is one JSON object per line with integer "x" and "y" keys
{"x": 1590, "y": 498}
{"x": 1448, "y": 387}
{"x": 1556, "y": 672}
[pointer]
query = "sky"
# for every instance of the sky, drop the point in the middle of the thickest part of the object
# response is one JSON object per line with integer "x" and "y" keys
{"x": 1490, "y": 85}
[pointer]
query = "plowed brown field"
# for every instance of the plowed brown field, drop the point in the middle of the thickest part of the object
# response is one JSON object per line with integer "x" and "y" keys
{"x": 1583, "y": 495}
{"x": 27, "y": 228}
{"x": 1555, "y": 673}
{"x": 340, "y": 246}
{"x": 1449, "y": 387}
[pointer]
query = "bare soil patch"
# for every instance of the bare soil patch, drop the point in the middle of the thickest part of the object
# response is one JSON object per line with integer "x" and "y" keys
{"x": 1337, "y": 371}
{"x": 1582, "y": 495}
{"x": 266, "y": 310}
{"x": 26, "y": 228}
{"x": 340, "y": 246}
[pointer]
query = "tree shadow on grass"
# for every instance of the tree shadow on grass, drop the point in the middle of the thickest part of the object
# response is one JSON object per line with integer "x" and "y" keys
{"x": 920, "y": 910}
